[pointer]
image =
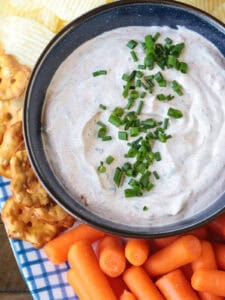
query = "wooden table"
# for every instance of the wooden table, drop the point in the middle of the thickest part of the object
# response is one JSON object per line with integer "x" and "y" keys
{"x": 12, "y": 286}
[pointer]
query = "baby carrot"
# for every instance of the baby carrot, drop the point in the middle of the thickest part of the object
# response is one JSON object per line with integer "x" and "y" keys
{"x": 209, "y": 296}
{"x": 57, "y": 249}
{"x": 218, "y": 226}
{"x": 140, "y": 284}
{"x": 127, "y": 296}
{"x": 77, "y": 284}
{"x": 219, "y": 249}
{"x": 181, "y": 252}
{"x": 118, "y": 285}
{"x": 163, "y": 242}
{"x": 137, "y": 251}
{"x": 174, "y": 286}
{"x": 111, "y": 255}
{"x": 82, "y": 258}
{"x": 207, "y": 258}
{"x": 210, "y": 281}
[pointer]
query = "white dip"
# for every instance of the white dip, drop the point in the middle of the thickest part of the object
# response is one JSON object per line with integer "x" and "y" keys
{"x": 192, "y": 169}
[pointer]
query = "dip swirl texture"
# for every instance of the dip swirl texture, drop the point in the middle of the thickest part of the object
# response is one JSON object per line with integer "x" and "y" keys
{"x": 192, "y": 169}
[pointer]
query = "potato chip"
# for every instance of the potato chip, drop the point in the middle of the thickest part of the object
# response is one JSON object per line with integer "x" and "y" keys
{"x": 208, "y": 5}
{"x": 26, "y": 5}
{"x": 6, "y": 9}
{"x": 70, "y": 9}
{"x": 24, "y": 38}
{"x": 219, "y": 12}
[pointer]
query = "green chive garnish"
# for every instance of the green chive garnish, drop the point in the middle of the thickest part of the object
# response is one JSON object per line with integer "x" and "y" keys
{"x": 156, "y": 175}
{"x": 145, "y": 208}
{"x": 157, "y": 156}
{"x": 177, "y": 88}
{"x": 132, "y": 193}
{"x": 102, "y": 132}
{"x": 140, "y": 106}
{"x": 165, "y": 123}
{"x": 138, "y": 83}
{"x": 115, "y": 120}
{"x": 141, "y": 67}
{"x": 174, "y": 113}
{"x": 109, "y": 159}
{"x": 107, "y": 138}
{"x": 118, "y": 177}
{"x": 134, "y": 56}
{"x": 171, "y": 61}
{"x": 183, "y": 67}
{"x": 134, "y": 131}
{"x": 102, "y": 107}
{"x": 160, "y": 79}
{"x": 162, "y": 97}
{"x": 122, "y": 135}
{"x": 99, "y": 73}
{"x": 132, "y": 44}
{"x": 143, "y": 94}
{"x": 101, "y": 168}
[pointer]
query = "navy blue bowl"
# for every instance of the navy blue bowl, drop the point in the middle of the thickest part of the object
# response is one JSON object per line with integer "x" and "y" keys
{"x": 88, "y": 26}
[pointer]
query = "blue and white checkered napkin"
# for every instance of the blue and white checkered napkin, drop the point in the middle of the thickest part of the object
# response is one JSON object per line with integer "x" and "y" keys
{"x": 44, "y": 280}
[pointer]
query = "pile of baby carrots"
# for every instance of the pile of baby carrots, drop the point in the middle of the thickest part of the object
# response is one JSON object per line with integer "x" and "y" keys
{"x": 181, "y": 267}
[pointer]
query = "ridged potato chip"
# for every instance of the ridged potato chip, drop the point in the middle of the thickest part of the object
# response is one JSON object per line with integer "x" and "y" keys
{"x": 71, "y": 9}
{"x": 26, "y": 5}
{"x": 24, "y": 38}
{"x": 219, "y": 12}
{"x": 207, "y": 5}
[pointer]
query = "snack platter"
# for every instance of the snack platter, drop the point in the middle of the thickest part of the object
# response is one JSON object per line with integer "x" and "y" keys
{"x": 44, "y": 279}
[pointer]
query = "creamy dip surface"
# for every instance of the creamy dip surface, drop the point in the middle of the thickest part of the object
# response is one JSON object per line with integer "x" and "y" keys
{"x": 192, "y": 169}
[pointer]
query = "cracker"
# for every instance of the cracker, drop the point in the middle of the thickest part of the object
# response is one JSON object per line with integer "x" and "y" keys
{"x": 24, "y": 184}
{"x": 11, "y": 140}
{"x": 13, "y": 77}
{"x": 21, "y": 224}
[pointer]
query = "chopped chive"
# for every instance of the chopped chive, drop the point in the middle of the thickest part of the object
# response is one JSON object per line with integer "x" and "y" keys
{"x": 118, "y": 177}
{"x": 144, "y": 85}
{"x": 140, "y": 106}
{"x": 156, "y": 175}
{"x": 183, "y": 67}
{"x": 125, "y": 77}
{"x": 101, "y": 168}
{"x": 157, "y": 156}
{"x": 134, "y": 131}
{"x": 122, "y": 135}
{"x": 109, "y": 159}
{"x": 139, "y": 74}
{"x": 149, "y": 61}
{"x": 177, "y": 49}
{"x": 171, "y": 61}
{"x": 138, "y": 83}
{"x": 102, "y": 132}
{"x": 165, "y": 123}
{"x": 99, "y": 73}
{"x": 102, "y": 106}
{"x": 156, "y": 36}
{"x": 134, "y": 183}
{"x": 149, "y": 44}
{"x": 141, "y": 67}
{"x": 118, "y": 111}
{"x": 115, "y": 120}
{"x": 177, "y": 88}
{"x": 107, "y": 138}
{"x": 132, "y": 193}
{"x": 134, "y": 94}
{"x": 150, "y": 186}
{"x": 174, "y": 113}
{"x": 145, "y": 208}
{"x": 130, "y": 103}
{"x": 100, "y": 123}
{"x": 132, "y": 44}
{"x": 134, "y": 56}
{"x": 168, "y": 41}
{"x": 162, "y": 97}
{"x": 160, "y": 79}
{"x": 143, "y": 94}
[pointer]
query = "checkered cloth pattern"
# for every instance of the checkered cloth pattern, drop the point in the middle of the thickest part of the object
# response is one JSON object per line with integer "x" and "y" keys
{"x": 44, "y": 280}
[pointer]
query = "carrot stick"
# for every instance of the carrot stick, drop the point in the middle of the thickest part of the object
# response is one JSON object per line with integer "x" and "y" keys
{"x": 77, "y": 284}
{"x": 218, "y": 226}
{"x": 207, "y": 259}
{"x": 174, "y": 286}
{"x": 209, "y": 296}
{"x": 111, "y": 255}
{"x": 219, "y": 249}
{"x": 57, "y": 249}
{"x": 140, "y": 284}
{"x": 181, "y": 252}
{"x": 127, "y": 296}
{"x": 210, "y": 281}
{"x": 83, "y": 259}
{"x": 200, "y": 232}
{"x": 163, "y": 242}
{"x": 137, "y": 251}
{"x": 118, "y": 285}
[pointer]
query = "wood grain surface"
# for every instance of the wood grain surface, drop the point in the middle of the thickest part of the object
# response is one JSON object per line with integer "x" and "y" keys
{"x": 12, "y": 285}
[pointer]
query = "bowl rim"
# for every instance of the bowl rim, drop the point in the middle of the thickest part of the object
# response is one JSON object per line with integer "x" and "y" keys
{"x": 142, "y": 232}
